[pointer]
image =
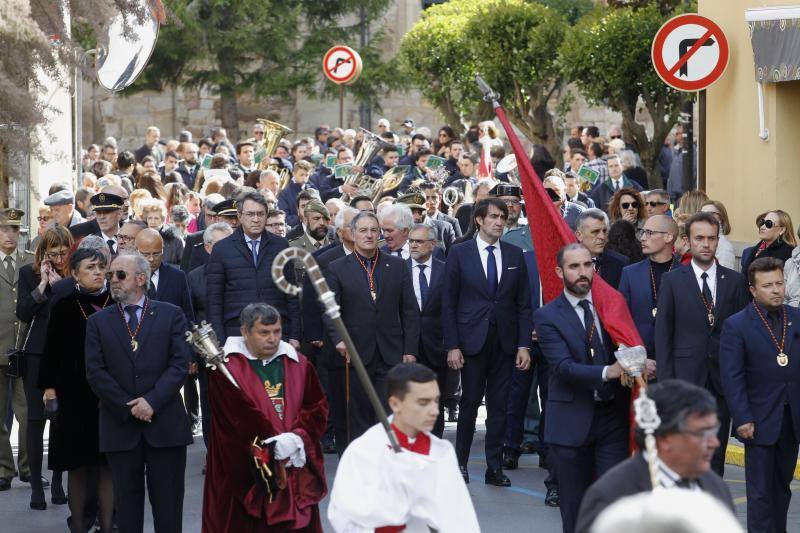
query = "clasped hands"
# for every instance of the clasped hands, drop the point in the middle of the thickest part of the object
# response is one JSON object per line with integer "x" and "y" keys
{"x": 141, "y": 410}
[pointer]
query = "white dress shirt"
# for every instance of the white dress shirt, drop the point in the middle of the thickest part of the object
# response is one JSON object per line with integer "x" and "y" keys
{"x": 405, "y": 251}
{"x": 249, "y": 242}
{"x": 711, "y": 280}
{"x": 154, "y": 277}
{"x": 107, "y": 238}
{"x": 415, "y": 272}
{"x": 484, "y": 253}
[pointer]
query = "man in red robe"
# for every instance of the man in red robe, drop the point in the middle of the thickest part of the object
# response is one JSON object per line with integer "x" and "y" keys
{"x": 280, "y": 409}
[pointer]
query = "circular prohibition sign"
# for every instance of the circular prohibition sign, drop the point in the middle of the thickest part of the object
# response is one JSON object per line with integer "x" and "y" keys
{"x": 690, "y": 52}
{"x": 342, "y": 65}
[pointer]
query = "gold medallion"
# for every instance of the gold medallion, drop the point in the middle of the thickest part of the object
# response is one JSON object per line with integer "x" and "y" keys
{"x": 655, "y": 310}
{"x": 374, "y": 295}
{"x": 134, "y": 345}
{"x": 711, "y": 319}
{"x": 783, "y": 359}
{"x": 591, "y": 352}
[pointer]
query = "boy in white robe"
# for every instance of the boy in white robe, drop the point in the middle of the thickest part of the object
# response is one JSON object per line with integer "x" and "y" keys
{"x": 417, "y": 490}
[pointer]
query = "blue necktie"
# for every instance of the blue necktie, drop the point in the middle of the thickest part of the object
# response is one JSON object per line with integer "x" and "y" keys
{"x": 423, "y": 285}
{"x": 254, "y": 247}
{"x": 133, "y": 320}
{"x": 491, "y": 271}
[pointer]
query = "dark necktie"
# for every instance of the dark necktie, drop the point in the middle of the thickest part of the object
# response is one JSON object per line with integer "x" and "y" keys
{"x": 9, "y": 268}
{"x": 423, "y": 284}
{"x": 112, "y": 245}
{"x": 254, "y": 248}
{"x": 399, "y": 253}
{"x": 683, "y": 483}
{"x": 775, "y": 324}
{"x": 133, "y": 320}
{"x": 151, "y": 292}
{"x": 707, "y": 291}
{"x": 491, "y": 271}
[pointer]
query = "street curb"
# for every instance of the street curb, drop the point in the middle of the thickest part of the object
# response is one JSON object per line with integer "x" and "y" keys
{"x": 734, "y": 455}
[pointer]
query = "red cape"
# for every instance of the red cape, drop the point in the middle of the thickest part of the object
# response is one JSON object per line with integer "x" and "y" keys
{"x": 230, "y": 502}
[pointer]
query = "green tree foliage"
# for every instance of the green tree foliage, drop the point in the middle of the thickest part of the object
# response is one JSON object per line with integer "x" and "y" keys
{"x": 513, "y": 44}
{"x": 607, "y": 55}
{"x": 265, "y": 48}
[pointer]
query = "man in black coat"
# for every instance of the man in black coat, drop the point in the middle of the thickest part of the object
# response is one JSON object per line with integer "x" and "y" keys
{"x": 693, "y": 303}
{"x": 685, "y": 441}
{"x": 136, "y": 362}
{"x": 239, "y": 273}
{"x": 591, "y": 230}
{"x": 194, "y": 254}
{"x": 109, "y": 209}
{"x": 427, "y": 275}
{"x": 378, "y": 306}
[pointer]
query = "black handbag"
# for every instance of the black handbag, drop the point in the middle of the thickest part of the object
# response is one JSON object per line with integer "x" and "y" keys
{"x": 17, "y": 363}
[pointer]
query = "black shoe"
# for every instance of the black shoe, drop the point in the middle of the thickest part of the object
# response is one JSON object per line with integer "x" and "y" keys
{"x": 552, "y": 499}
{"x": 464, "y": 473}
{"x": 45, "y": 482}
{"x": 38, "y": 505}
{"x": 527, "y": 448}
{"x": 5, "y": 483}
{"x": 57, "y": 496}
{"x": 497, "y": 478}
{"x": 510, "y": 459}
{"x": 452, "y": 414}
{"x": 24, "y": 478}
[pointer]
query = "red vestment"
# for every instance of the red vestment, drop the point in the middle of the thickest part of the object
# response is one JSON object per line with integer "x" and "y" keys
{"x": 231, "y": 503}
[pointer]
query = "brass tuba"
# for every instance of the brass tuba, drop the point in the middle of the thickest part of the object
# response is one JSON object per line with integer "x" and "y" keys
{"x": 367, "y": 185}
{"x": 273, "y": 133}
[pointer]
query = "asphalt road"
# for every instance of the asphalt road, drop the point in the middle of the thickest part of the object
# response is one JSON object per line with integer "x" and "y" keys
{"x": 518, "y": 508}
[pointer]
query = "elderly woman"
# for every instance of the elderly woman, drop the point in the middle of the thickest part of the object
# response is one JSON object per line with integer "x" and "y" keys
{"x": 154, "y": 214}
{"x": 50, "y": 264}
{"x": 776, "y": 238}
{"x": 74, "y": 438}
{"x": 628, "y": 204}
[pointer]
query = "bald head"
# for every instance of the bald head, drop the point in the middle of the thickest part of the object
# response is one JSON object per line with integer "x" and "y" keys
{"x": 658, "y": 237}
{"x": 663, "y": 223}
{"x": 150, "y": 244}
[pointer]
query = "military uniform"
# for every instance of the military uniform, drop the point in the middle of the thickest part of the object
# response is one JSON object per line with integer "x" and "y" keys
{"x": 308, "y": 243}
{"x": 10, "y": 328}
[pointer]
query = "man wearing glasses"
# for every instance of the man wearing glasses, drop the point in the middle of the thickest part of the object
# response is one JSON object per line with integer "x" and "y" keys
{"x": 276, "y": 222}
{"x": 239, "y": 272}
{"x": 686, "y": 441}
{"x": 657, "y": 202}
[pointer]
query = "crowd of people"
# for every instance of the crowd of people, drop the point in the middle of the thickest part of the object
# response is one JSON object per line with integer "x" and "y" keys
{"x": 437, "y": 281}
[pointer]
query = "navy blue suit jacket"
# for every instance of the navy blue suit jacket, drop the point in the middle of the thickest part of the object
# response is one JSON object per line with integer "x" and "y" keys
{"x": 756, "y": 387}
{"x": 637, "y": 288}
{"x": 686, "y": 346}
{"x": 610, "y": 265}
{"x": 173, "y": 288}
{"x": 431, "y": 335}
{"x": 574, "y": 375}
{"x": 155, "y": 372}
{"x": 287, "y": 202}
{"x": 468, "y": 307}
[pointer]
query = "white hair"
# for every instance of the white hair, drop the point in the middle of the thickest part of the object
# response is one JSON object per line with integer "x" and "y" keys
{"x": 338, "y": 221}
{"x": 222, "y": 227}
{"x": 555, "y": 180}
{"x": 401, "y": 214}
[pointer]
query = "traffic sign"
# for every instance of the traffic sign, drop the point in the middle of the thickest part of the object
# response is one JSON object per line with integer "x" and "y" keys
{"x": 342, "y": 65}
{"x": 690, "y": 52}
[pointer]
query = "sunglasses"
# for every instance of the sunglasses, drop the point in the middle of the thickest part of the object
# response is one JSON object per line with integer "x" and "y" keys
{"x": 629, "y": 205}
{"x": 554, "y": 196}
{"x": 655, "y": 204}
{"x": 767, "y": 223}
{"x": 119, "y": 274}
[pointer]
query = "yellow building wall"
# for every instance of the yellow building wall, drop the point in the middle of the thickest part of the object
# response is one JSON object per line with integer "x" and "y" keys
{"x": 749, "y": 175}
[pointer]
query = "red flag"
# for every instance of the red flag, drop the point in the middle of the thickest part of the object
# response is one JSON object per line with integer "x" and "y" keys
{"x": 549, "y": 233}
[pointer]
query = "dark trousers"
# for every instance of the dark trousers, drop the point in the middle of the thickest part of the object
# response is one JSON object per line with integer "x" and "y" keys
{"x": 487, "y": 372}
{"x": 164, "y": 470}
{"x": 442, "y": 372}
{"x": 545, "y": 450}
{"x": 191, "y": 399}
{"x": 578, "y": 467}
{"x": 205, "y": 405}
{"x": 319, "y": 358}
{"x": 359, "y": 409}
{"x": 768, "y": 473}
{"x": 724, "y": 416}
{"x": 452, "y": 395}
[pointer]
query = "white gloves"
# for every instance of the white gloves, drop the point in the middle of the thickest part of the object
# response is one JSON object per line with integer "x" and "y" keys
{"x": 289, "y": 446}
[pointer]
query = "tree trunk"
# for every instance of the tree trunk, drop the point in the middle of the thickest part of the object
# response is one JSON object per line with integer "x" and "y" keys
{"x": 646, "y": 147}
{"x": 229, "y": 109}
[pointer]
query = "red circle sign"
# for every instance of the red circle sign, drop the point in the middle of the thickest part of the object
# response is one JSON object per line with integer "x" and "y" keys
{"x": 342, "y": 65}
{"x": 690, "y": 52}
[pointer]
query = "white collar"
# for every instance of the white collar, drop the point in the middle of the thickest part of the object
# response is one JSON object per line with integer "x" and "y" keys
{"x": 712, "y": 271}
{"x": 237, "y": 345}
{"x": 248, "y": 240}
{"x": 107, "y": 238}
{"x": 428, "y": 263}
{"x": 12, "y": 255}
{"x": 483, "y": 244}
{"x": 574, "y": 300}
{"x": 346, "y": 250}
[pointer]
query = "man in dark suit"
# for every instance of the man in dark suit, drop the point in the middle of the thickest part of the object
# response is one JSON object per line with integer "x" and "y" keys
{"x": 108, "y": 208}
{"x": 602, "y": 192}
{"x": 378, "y": 307}
{"x": 641, "y": 281}
{"x": 584, "y": 393}
{"x": 685, "y": 441}
{"x": 287, "y": 198}
{"x": 136, "y": 362}
{"x": 427, "y": 276}
{"x": 591, "y": 229}
{"x": 302, "y": 200}
{"x": 693, "y": 303}
{"x": 239, "y": 272}
{"x": 433, "y": 198}
{"x": 487, "y": 329}
{"x": 188, "y": 168}
{"x": 760, "y": 368}
{"x": 445, "y": 236}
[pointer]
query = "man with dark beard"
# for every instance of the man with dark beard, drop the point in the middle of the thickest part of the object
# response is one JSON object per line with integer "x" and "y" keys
{"x": 585, "y": 395}
{"x": 317, "y": 219}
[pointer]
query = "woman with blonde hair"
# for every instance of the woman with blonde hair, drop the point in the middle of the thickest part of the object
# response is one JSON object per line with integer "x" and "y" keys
{"x": 50, "y": 264}
{"x": 691, "y": 202}
{"x": 136, "y": 198}
{"x": 726, "y": 255}
{"x": 154, "y": 213}
{"x": 776, "y": 238}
